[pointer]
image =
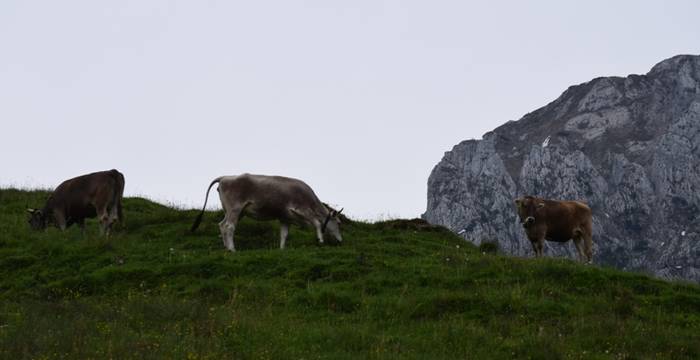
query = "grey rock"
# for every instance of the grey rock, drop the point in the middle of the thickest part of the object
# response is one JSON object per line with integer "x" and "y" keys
{"x": 629, "y": 147}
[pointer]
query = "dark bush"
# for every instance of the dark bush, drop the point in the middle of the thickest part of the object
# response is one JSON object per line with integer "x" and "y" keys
{"x": 489, "y": 247}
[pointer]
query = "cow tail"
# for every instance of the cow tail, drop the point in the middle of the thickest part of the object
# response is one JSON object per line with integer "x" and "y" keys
{"x": 198, "y": 220}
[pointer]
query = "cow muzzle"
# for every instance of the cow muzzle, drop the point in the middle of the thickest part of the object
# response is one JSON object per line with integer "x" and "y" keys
{"x": 528, "y": 221}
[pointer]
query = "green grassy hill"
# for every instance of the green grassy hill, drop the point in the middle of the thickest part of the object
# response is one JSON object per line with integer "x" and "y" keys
{"x": 396, "y": 289}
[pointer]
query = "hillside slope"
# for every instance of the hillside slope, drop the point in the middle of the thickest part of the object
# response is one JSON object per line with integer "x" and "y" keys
{"x": 393, "y": 289}
{"x": 629, "y": 147}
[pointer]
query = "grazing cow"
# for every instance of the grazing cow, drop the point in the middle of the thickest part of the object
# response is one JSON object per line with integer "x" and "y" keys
{"x": 96, "y": 194}
{"x": 271, "y": 198}
{"x": 558, "y": 221}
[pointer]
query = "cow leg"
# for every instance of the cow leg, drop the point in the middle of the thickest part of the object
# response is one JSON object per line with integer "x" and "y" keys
{"x": 222, "y": 230}
{"x": 578, "y": 241}
{"x": 60, "y": 219}
{"x": 537, "y": 246}
{"x": 104, "y": 222}
{"x": 81, "y": 225}
{"x": 588, "y": 246}
{"x": 103, "y": 218}
{"x": 284, "y": 231}
{"x": 319, "y": 233}
{"x": 108, "y": 221}
{"x": 229, "y": 230}
{"x": 113, "y": 216}
{"x": 228, "y": 227}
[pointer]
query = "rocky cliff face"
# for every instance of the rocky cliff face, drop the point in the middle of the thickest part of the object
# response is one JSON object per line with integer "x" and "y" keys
{"x": 629, "y": 147}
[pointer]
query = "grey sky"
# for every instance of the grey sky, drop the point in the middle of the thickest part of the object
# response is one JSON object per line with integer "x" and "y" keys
{"x": 358, "y": 98}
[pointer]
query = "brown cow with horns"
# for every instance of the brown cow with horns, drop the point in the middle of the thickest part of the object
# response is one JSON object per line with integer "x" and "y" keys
{"x": 558, "y": 221}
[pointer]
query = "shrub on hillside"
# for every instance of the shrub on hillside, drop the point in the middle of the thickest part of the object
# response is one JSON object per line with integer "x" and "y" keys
{"x": 489, "y": 247}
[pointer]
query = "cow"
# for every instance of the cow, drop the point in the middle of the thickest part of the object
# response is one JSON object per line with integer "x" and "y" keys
{"x": 558, "y": 221}
{"x": 262, "y": 197}
{"x": 98, "y": 194}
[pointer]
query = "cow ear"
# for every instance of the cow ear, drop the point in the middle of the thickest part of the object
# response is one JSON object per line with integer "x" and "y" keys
{"x": 540, "y": 205}
{"x": 518, "y": 202}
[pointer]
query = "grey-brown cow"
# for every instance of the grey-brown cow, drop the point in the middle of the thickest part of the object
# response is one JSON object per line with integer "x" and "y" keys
{"x": 271, "y": 198}
{"x": 558, "y": 221}
{"x": 97, "y": 194}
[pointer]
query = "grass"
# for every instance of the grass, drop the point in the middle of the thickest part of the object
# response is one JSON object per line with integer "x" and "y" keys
{"x": 395, "y": 289}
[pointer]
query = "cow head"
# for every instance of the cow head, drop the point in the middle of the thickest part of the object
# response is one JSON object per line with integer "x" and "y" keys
{"x": 331, "y": 224}
{"x": 527, "y": 209}
{"x": 37, "y": 219}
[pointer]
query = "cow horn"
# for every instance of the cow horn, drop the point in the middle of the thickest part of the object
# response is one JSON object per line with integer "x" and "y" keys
{"x": 338, "y": 213}
{"x": 540, "y": 205}
{"x": 30, "y": 210}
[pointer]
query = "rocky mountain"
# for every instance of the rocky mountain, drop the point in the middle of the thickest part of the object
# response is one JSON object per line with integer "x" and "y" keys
{"x": 627, "y": 146}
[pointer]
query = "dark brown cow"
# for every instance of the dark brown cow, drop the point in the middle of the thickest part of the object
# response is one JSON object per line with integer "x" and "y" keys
{"x": 97, "y": 194}
{"x": 558, "y": 221}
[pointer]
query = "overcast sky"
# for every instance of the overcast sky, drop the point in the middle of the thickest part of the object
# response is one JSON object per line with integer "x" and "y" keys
{"x": 360, "y": 99}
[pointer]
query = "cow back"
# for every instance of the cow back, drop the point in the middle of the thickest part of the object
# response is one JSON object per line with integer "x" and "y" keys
{"x": 563, "y": 218}
{"x": 271, "y": 196}
{"x": 78, "y": 197}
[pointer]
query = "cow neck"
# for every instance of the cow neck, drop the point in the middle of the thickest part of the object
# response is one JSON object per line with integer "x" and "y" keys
{"x": 325, "y": 222}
